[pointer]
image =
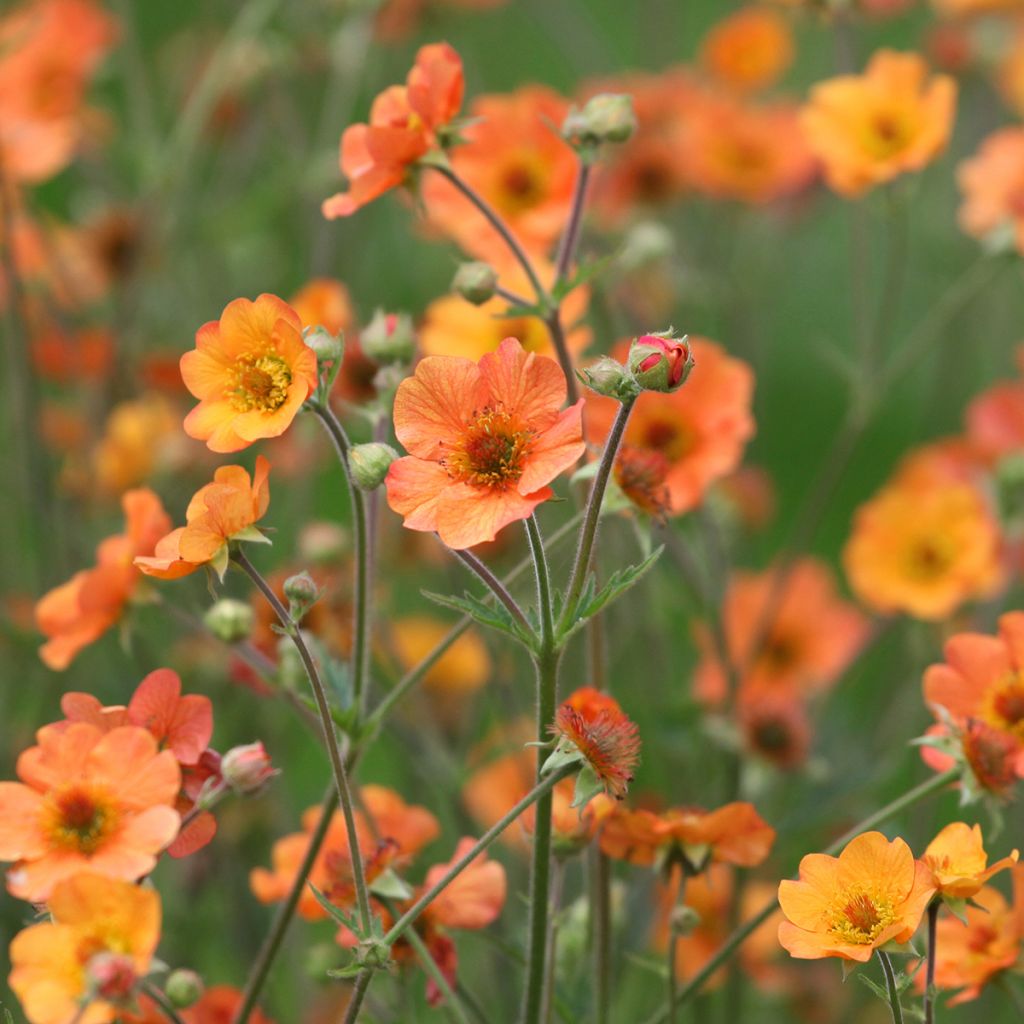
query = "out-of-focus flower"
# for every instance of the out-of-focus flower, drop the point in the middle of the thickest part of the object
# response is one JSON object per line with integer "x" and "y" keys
{"x": 923, "y": 548}
{"x": 775, "y": 727}
{"x": 871, "y": 128}
{"x": 324, "y": 302}
{"x": 959, "y": 863}
{"x": 995, "y": 418}
{"x": 992, "y": 183}
{"x": 966, "y": 8}
{"x": 848, "y": 906}
{"x": 78, "y": 612}
{"x": 247, "y": 769}
{"x": 499, "y": 784}
{"x": 91, "y": 917}
{"x": 485, "y": 439}
{"x": 251, "y": 372}
{"x": 73, "y": 357}
{"x": 463, "y": 668}
{"x": 750, "y": 49}
{"x": 218, "y": 1005}
{"x": 139, "y": 438}
{"x": 404, "y": 126}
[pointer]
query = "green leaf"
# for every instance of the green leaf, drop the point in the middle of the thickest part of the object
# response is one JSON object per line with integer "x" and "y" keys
{"x": 874, "y": 987}
{"x": 339, "y": 915}
{"x": 492, "y": 616}
{"x": 588, "y": 785}
{"x": 391, "y": 887}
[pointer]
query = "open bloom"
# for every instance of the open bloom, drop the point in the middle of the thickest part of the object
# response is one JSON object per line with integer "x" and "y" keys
{"x": 404, "y": 122}
{"x": 484, "y": 440}
{"x": 78, "y": 612}
{"x": 869, "y": 129}
{"x": 992, "y": 182}
{"x": 959, "y": 863}
{"x": 251, "y": 372}
{"x": 748, "y": 50}
{"x": 848, "y": 906}
{"x": 93, "y": 918}
{"x": 218, "y": 513}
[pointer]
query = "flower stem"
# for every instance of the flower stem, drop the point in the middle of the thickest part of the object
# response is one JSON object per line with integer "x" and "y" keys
{"x": 330, "y": 734}
{"x": 355, "y": 1001}
{"x": 571, "y": 235}
{"x": 161, "y": 1000}
{"x": 890, "y": 985}
{"x": 495, "y": 586}
{"x": 929, "y": 977}
{"x": 601, "y": 932}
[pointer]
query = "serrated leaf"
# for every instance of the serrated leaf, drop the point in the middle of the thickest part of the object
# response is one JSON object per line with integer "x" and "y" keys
{"x": 874, "y": 987}
{"x": 492, "y": 616}
{"x": 337, "y": 913}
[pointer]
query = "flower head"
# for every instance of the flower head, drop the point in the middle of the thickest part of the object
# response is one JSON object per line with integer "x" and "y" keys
{"x": 484, "y": 441}
{"x": 251, "y": 372}
{"x": 848, "y": 906}
{"x": 992, "y": 182}
{"x": 748, "y": 50}
{"x": 959, "y": 863}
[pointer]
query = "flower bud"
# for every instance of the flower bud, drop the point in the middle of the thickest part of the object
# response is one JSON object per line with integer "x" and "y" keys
{"x": 660, "y": 362}
{"x": 183, "y": 988}
{"x": 329, "y": 348}
{"x": 389, "y": 338}
{"x": 684, "y": 920}
{"x": 247, "y": 769}
{"x": 475, "y": 282}
{"x": 369, "y": 464}
{"x": 302, "y": 593}
{"x": 608, "y": 377}
{"x": 230, "y": 620}
{"x": 607, "y": 117}
{"x": 111, "y": 976}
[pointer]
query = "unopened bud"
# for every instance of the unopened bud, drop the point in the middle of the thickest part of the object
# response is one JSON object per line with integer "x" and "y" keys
{"x": 660, "y": 362}
{"x": 369, "y": 464}
{"x": 684, "y": 920}
{"x": 475, "y": 282}
{"x": 230, "y": 620}
{"x": 302, "y": 593}
{"x": 608, "y": 377}
{"x": 111, "y": 976}
{"x": 329, "y": 348}
{"x": 389, "y": 338}
{"x": 183, "y": 988}
{"x": 607, "y": 117}
{"x": 247, "y": 769}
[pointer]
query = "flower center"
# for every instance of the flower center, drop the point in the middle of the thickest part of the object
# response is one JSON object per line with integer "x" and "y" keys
{"x": 861, "y": 917}
{"x": 493, "y": 452}
{"x": 1004, "y": 705}
{"x": 520, "y": 187}
{"x": 670, "y": 437}
{"x": 888, "y": 133}
{"x": 260, "y": 382}
{"x": 929, "y": 558}
{"x": 80, "y": 819}
{"x": 780, "y": 653}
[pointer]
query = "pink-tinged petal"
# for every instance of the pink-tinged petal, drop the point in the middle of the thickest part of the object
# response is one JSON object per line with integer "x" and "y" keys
{"x": 20, "y": 835}
{"x": 531, "y": 388}
{"x": 185, "y": 724}
{"x": 1011, "y": 629}
{"x": 434, "y": 407}
{"x": 467, "y": 515}
{"x": 194, "y": 836}
{"x": 555, "y": 450}
{"x": 413, "y": 487}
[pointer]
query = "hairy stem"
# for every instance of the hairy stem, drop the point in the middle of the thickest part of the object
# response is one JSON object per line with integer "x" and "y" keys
{"x": 890, "y": 985}
{"x": 929, "y": 977}
{"x": 495, "y": 586}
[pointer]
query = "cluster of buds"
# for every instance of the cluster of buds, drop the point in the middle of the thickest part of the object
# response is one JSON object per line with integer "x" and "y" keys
{"x": 656, "y": 362}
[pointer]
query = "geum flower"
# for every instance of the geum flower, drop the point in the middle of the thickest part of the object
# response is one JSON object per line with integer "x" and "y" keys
{"x": 218, "y": 514}
{"x": 88, "y": 800}
{"x": 251, "y": 372}
{"x": 959, "y": 863}
{"x": 97, "y": 923}
{"x": 405, "y": 122}
{"x": 484, "y": 441}
{"x": 848, "y": 906}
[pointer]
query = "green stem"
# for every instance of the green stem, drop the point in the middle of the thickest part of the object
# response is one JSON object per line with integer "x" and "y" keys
{"x": 929, "y": 977}
{"x": 890, "y": 985}
{"x": 601, "y": 932}
{"x": 571, "y": 236}
{"x": 355, "y": 1002}
{"x": 329, "y": 731}
{"x": 161, "y": 1000}
{"x": 495, "y": 586}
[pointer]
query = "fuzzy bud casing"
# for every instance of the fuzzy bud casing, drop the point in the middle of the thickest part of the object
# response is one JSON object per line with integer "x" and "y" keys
{"x": 230, "y": 620}
{"x": 389, "y": 338}
{"x": 370, "y": 463}
{"x": 475, "y": 282}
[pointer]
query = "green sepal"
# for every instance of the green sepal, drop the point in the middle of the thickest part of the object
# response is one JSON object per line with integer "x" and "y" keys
{"x": 388, "y": 885}
{"x": 588, "y": 785}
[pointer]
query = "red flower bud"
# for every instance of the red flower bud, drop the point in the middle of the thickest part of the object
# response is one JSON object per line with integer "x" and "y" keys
{"x": 247, "y": 769}
{"x": 660, "y": 363}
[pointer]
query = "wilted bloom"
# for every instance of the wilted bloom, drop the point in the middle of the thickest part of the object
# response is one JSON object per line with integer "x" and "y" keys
{"x": 660, "y": 362}
{"x": 848, "y": 906}
{"x": 992, "y": 183}
{"x": 93, "y": 920}
{"x": 219, "y": 513}
{"x": 748, "y": 50}
{"x": 247, "y": 769}
{"x": 251, "y": 372}
{"x": 78, "y": 612}
{"x": 871, "y": 128}
{"x": 484, "y": 440}
{"x": 641, "y": 475}
{"x": 959, "y": 863}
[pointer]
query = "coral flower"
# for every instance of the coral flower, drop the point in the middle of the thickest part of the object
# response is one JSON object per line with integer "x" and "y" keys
{"x": 218, "y": 513}
{"x": 848, "y": 906}
{"x": 219, "y": 1004}
{"x": 923, "y": 549}
{"x": 498, "y": 785}
{"x": 404, "y": 125}
{"x": 251, "y": 372}
{"x": 484, "y": 439}
{"x": 749, "y": 50}
{"x": 324, "y": 302}
{"x": 959, "y": 863}
{"x": 463, "y": 668}
{"x": 869, "y": 129}
{"x": 87, "y": 800}
{"x": 700, "y": 429}
{"x": 92, "y": 916}
{"x": 995, "y": 419}
{"x": 78, "y": 612}
{"x": 992, "y": 183}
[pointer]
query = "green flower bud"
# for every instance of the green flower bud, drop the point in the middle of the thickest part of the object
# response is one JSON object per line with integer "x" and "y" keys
{"x": 302, "y": 593}
{"x": 684, "y": 920}
{"x": 475, "y": 282}
{"x": 646, "y": 243}
{"x": 328, "y": 347}
{"x": 607, "y": 117}
{"x": 230, "y": 620}
{"x": 183, "y": 988}
{"x": 389, "y": 338}
{"x": 369, "y": 464}
{"x": 608, "y": 377}
{"x": 660, "y": 362}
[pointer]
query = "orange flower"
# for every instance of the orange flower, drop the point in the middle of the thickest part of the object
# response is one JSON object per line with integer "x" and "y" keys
{"x": 958, "y": 862}
{"x": 995, "y": 418}
{"x": 812, "y": 634}
{"x": 251, "y": 372}
{"x": 87, "y": 800}
{"x": 848, "y": 906}
{"x": 497, "y": 786}
{"x": 749, "y": 50}
{"x": 404, "y": 125}
{"x": 775, "y": 727}
{"x": 700, "y": 429}
{"x": 463, "y": 668}
{"x": 218, "y": 1005}
{"x": 92, "y": 917}
{"x": 869, "y": 129}
{"x": 474, "y": 899}
{"x": 141, "y": 436}
{"x": 992, "y": 183}
{"x": 484, "y": 440}
{"x": 515, "y": 159}
{"x": 218, "y": 513}
{"x": 79, "y": 612}
{"x": 923, "y": 548}
{"x": 323, "y": 302}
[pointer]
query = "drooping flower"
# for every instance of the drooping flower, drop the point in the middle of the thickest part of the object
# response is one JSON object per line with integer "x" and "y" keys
{"x": 93, "y": 917}
{"x": 404, "y": 126}
{"x": 959, "y": 863}
{"x": 79, "y": 612}
{"x": 869, "y": 129}
{"x": 848, "y": 906}
{"x": 484, "y": 442}
{"x": 222, "y": 511}
{"x": 748, "y": 50}
{"x": 992, "y": 182}
{"x": 251, "y": 372}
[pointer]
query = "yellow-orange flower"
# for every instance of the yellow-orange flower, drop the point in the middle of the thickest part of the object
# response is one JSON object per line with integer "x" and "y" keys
{"x": 848, "y": 906}
{"x": 992, "y": 183}
{"x": 959, "y": 863}
{"x": 460, "y": 671}
{"x": 324, "y": 302}
{"x": 218, "y": 513}
{"x": 484, "y": 440}
{"x": 923, "y": 548}
{"x": 88, "y": 800}
{"x": 748, "y": 50}
{"x": 91, "y": 916}
{"x": 869, "y": 129}
{"x": 251, "y": 372}
{"x": 139, "y": 438}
